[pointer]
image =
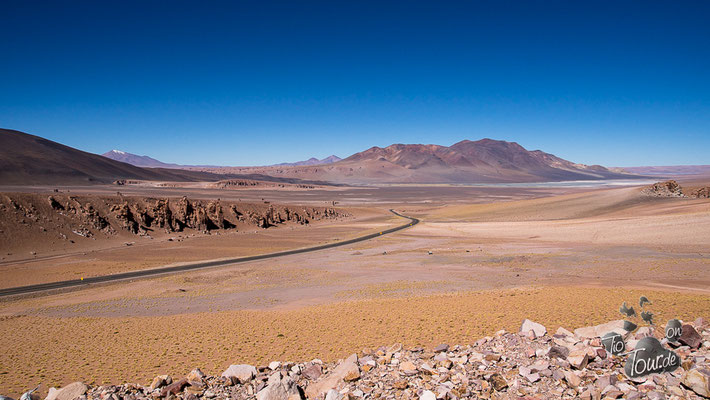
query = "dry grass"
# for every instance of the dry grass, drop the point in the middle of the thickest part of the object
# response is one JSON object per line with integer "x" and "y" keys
{"x": 57, "y": 351}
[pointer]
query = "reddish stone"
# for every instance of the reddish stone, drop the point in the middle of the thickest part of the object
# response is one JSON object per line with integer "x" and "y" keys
{"x": 690, "y": 337}
{"x": 174, "y": 388}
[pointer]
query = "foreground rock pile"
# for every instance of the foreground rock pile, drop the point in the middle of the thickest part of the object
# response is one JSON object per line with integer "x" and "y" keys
{"x": 530, "y": 364}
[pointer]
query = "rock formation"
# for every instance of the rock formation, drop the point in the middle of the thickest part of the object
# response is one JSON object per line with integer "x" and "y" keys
{"x": 701, "y": 193}
{"x": 673, "y": 189}
{"x": 61, "y": 216}
{"x": 664, "y": 189}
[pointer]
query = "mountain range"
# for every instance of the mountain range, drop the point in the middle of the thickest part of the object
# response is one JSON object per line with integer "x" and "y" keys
{"x": 311, "y": 161}
{"x": 29, "y": 159}
{"x": 145, "y": 161}
{"x": 481, "y": 161}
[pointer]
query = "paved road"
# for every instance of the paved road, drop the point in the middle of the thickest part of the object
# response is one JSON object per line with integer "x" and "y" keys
{"x": 44, "y": 287}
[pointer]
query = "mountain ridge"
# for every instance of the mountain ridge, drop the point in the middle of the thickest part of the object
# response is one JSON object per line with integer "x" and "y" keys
{"x": 311, "y": 161}
{"x": 29, "y": 159}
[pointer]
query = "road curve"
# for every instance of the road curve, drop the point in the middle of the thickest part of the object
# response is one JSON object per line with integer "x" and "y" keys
{"x": 44, "y": 287}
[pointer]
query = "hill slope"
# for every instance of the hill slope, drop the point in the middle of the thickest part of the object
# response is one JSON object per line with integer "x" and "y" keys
{"x": 28, "y": 159}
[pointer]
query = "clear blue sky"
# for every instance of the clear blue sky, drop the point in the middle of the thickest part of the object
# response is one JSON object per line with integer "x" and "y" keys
{"x": 260, "y": 82}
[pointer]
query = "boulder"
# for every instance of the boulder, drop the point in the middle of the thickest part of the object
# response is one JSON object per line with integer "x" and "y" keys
{"x": 333, "y": 395}
{"x": 174, "y": 388}
{"x": 690, "y": 337}
{"x": 619, "y": 326}
{"x": 498, "y": 382}
{"x": 243, "y": 373}
{"x": 408, "y": 368}
{"x": 160, "y": 381}
{"x": 441, "y": 348}
{"x": 346, "y": 370}
{"x": 529, "y": 326}
{"x": 698, "y": 381}
{"x": 578, "y": 358}
{"x": 313, "y": 371}
{"x": 572, "y": 379}
{"x": 68, "y": 392}
{"x": 427, "y": 395}
{"x": 558, "y": 352}
{"x": 196, "y": 375}
{"x": 280, "y": 388}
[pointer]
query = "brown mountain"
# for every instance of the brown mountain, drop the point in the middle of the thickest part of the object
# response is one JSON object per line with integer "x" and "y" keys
{"x": 482, "y": 161}
{"x": 27, "y": 159}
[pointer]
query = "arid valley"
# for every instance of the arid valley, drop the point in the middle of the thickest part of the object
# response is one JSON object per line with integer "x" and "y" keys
{"x": 482, "y": 258}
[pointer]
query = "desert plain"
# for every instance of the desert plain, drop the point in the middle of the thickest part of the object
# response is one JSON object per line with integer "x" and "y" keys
{"x": 481, "y": 259}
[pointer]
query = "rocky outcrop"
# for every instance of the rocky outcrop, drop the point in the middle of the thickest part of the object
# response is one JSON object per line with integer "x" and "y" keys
{"x": 701, "y": 193}
{"x": 61, "y": 217}
{"x": 673, "y": 189}
{"x": 162, "y": 215}
{"x": 55, "y": 204}
{"x": 669, "y": 188}
{"x": 122, "y": 213}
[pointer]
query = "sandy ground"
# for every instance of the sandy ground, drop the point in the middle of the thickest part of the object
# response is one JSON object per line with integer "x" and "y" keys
{"x": 564, "y": 260}
{"x": 135, "y": 349}
{"x": 110, "y": 257}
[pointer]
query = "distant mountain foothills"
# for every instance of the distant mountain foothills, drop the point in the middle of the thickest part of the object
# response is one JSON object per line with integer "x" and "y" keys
{"x": 29, "y": 159}
{"x": 145, "y": 161}
{"x": 312, "y": 161}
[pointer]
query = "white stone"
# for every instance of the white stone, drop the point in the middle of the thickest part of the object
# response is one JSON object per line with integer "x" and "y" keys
{"x": 68, "y": 392}
{"x": 427, "y": 395}
{"x": 537, "y": 329}
{"x": 242, "y": 372}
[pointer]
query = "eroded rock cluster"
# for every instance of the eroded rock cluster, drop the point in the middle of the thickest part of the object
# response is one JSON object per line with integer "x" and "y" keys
{"x": 48, "y": 218}
{"x": 672, "y": 188}
{"x": 239, "y": 183}
{"x": 664, "y": 189}
{"x": 529, "y": 364}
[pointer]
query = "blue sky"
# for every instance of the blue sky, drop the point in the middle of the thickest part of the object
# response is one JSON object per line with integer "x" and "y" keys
{"x": 256, "y": 82}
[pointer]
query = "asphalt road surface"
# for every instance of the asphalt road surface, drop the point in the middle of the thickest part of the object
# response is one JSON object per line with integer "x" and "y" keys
{"x": 45, "y": 287}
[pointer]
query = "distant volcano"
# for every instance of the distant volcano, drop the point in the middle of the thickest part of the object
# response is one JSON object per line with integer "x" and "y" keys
{"x": 138, "y": 161}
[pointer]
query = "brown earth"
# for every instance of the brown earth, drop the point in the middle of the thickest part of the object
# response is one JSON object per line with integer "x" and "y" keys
{"x": 135, "y": 349}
